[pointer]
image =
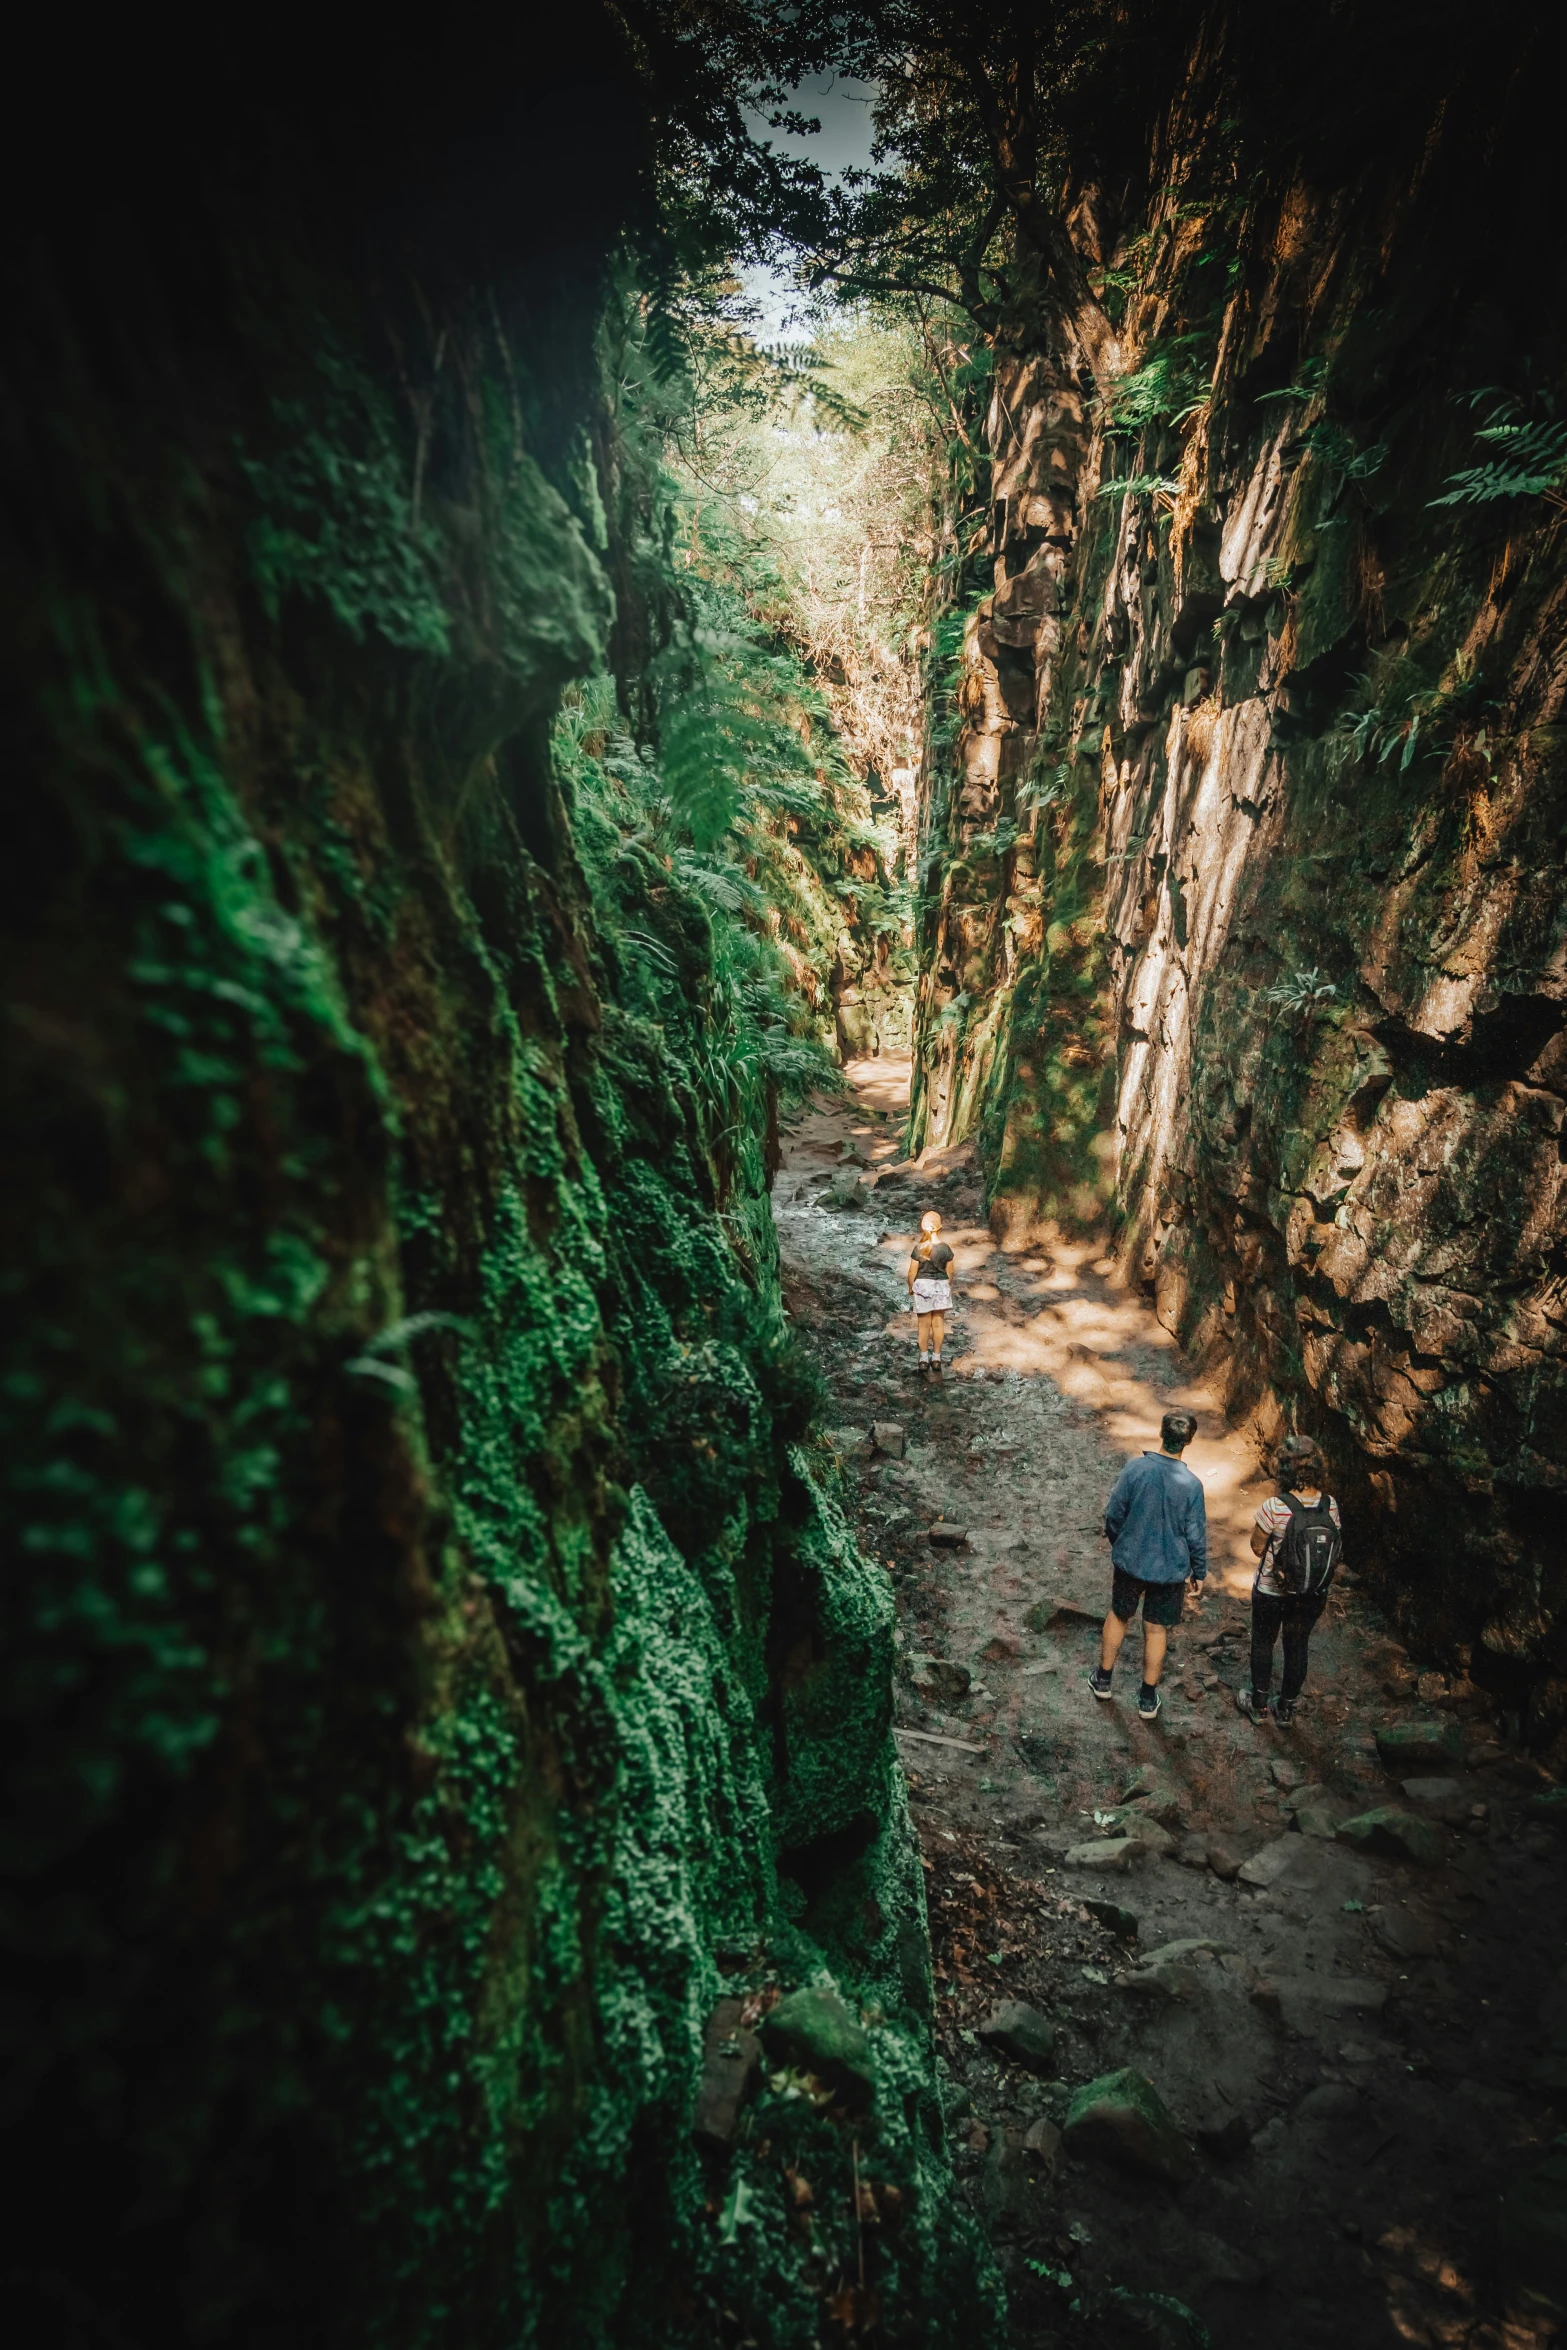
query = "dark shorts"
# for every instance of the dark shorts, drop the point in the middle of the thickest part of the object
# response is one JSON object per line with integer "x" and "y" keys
{"x": 1161, "y": 1603}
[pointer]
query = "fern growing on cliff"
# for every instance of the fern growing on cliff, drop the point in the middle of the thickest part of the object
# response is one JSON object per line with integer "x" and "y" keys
{"x": 1531, "y": 453}
{"x": 1140, "y": 485}
{"x": 1170, "y": 384}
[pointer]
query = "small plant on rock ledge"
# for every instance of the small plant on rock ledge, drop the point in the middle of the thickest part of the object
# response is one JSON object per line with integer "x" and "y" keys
{"x": 1302, "y": 992}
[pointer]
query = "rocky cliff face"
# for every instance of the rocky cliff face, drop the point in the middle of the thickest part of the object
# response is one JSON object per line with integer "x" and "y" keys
{"x": 1246, "y": 907}
{"x": 434, "y": 1665}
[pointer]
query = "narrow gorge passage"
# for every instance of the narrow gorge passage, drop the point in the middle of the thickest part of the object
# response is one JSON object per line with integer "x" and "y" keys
{"x": 565, "y": 582}
{"x": 1353, "y": 2040}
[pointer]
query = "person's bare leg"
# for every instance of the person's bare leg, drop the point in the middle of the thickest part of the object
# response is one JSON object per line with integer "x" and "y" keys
{"x": 1110, "y": 1640}
{"x": 1155, "y": 1640}
{"x": 923, "y": 1323}
{"x": 938, "y": 1324}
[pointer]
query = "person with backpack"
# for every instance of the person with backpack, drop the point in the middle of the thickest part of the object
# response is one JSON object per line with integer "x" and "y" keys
{"x": 930, "y": 1289}
{"x": 1156, "y": 1522}
{"x": 1299, "y": 1540}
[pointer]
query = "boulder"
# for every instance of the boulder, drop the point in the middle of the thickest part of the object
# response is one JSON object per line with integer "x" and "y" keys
{"x": 1402, "y": 1835}
{"x": 1267, "y": 1866}
{"x": 1113, "y": 1854}
{"x": 946, "y": 1536}
{"x": 1533, "y": 2236}
{"x": 1162, "y": 1980}
{"x": 938, "y": 1677}
{"x": 887, "y": 1436}
{"x": 1123, "y": 1923}
{"x": 1287, "y": 1775}
{"x": 1042, "y": 2140}
{"x": 1319, "y": 1819}
{"x": 1449, "y": 1800}
{"x": 1188, "y": 1946}
{"x": 814, "y": 2029}
{"x": 1307, "y": 1792}
{"x": 1130, "y": 1819}
{"x": 1226, "y": 1858}
{"x": 1123, "y": 2118}
{"x": 1549, "y": 1804}
{"x": 1154, "y": 1795}
{"x": 1404, "y": 1934}
{"x": 850, "y": 1444}
{"x": 1402, "y": 1743}
{"x": 844, "y": 1189}
{"x": 1433, "y": 1794}
{"x": 1193, "y": 1852}
{"x": 1020, "y": 2032}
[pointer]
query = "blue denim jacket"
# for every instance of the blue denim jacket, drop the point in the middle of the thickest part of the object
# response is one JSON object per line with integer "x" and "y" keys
{"x": 1157, "y": 1521}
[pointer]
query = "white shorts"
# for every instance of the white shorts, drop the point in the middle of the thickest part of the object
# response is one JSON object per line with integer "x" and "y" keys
{"x": 932, "y": 1297}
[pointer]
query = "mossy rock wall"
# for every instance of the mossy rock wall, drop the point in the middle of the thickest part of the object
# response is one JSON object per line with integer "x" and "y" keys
{"x": 434, "y": 1664}
{"x": 1269, "y": 969}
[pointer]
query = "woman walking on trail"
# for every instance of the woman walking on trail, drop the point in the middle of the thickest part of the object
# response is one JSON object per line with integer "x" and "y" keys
{"x": 1299, "y": 1539}
{"x": 930, "y": 1289}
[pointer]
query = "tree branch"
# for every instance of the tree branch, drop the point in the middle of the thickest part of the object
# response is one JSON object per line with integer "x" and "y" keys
{"x": 970, "y": 263}
{"x": 834, "y": 273}
{"x": 1011, "y": 136}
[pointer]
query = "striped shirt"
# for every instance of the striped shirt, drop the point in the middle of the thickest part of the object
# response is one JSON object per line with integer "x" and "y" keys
{"x": 1273, "y": 1520}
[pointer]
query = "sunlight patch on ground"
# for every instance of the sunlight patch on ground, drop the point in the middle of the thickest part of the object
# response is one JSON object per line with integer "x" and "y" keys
{"x": 881, "y": 1084}
{"x": 1062, "y": 1317}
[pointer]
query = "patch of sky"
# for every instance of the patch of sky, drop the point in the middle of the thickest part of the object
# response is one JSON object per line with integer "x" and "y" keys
{"x": 843, "y": 108}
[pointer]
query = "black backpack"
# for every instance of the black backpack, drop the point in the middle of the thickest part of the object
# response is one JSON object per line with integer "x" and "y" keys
{"x": 1311, "y": 1548}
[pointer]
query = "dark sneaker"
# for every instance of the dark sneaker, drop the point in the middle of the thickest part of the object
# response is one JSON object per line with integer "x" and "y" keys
{"x": 1249, "y": 1703}
{"x": 1284, "y": 1711}
{"x": 1101, "y": 1682}
{"x": 1148, "y": 1703}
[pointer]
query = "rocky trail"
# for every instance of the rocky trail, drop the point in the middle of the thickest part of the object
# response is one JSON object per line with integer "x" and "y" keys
{"x": 1329, "y": 1958}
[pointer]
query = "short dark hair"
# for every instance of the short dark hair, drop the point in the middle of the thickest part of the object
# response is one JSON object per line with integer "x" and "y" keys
{"x": 1301, "y": 1463}
{"x": 1177, "y": 1429}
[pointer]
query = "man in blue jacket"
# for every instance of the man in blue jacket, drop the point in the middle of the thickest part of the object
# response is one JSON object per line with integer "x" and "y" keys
{"x": 1157, "y": 1527}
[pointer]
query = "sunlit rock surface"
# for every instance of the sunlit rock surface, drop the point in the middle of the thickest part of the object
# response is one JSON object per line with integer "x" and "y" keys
{"x": 1246, "y": 866}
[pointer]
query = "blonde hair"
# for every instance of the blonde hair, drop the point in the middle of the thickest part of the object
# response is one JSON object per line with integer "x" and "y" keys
{"x": 930, "y": 1221}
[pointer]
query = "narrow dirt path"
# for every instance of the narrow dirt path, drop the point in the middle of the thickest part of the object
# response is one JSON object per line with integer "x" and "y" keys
{"x": 1351, "y": 2044}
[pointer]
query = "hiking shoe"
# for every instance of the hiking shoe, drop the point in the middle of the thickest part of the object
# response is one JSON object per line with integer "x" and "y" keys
{"x": 1100, "y": 1682}
{"x": 1284, "y": 1711}
{"x": 1249, "y": 1703}
{"x": 1148, "y": 1703}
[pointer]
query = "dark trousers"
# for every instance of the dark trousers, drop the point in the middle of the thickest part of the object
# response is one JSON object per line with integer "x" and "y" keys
{"x": 1296, "y": 1619}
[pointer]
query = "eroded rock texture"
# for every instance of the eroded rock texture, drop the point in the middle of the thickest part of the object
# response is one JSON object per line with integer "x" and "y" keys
{"x": 1248, "y": 876}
